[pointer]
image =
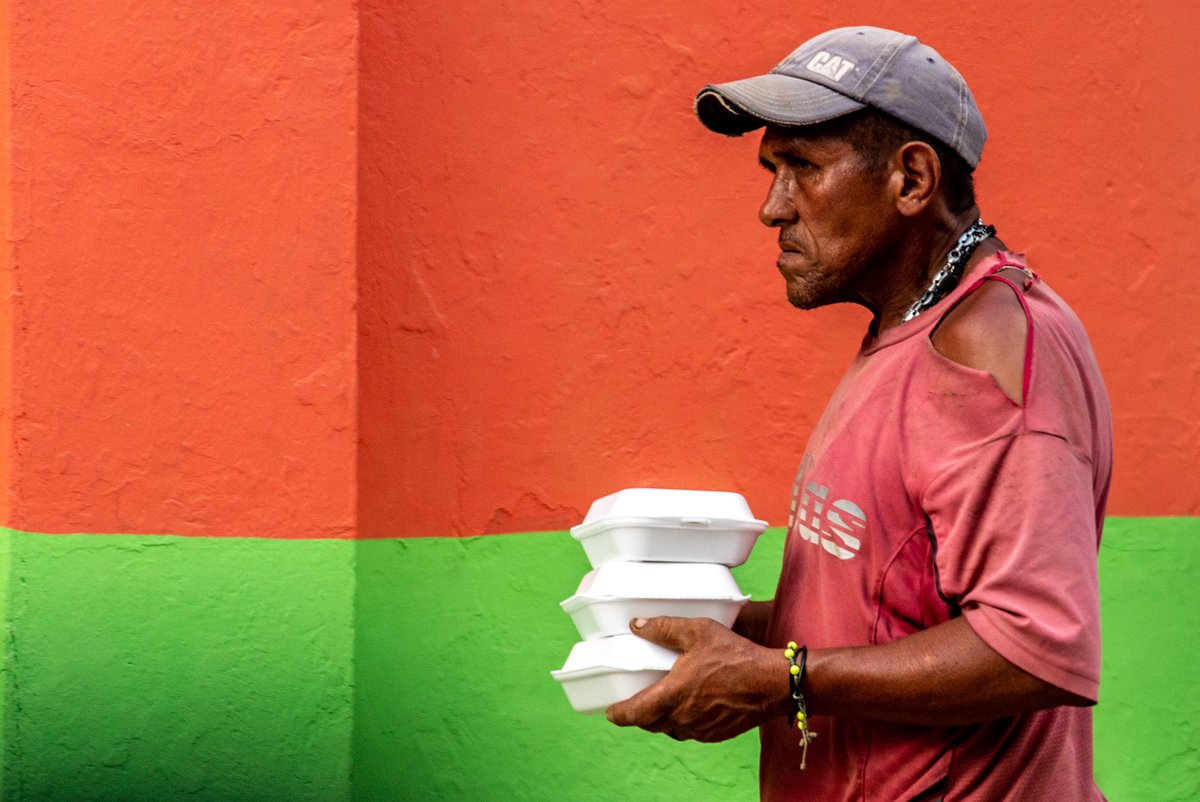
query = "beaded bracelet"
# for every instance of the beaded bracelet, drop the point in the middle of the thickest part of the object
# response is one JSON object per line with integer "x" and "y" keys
{"x": 796, "y": 677}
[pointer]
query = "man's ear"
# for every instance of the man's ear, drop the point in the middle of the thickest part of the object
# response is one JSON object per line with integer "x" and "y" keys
{"x": 917, "y": 174}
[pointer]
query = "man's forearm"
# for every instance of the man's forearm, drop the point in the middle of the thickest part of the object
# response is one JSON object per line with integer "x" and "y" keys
{"x": 943, "y": 675}
{"x": 752, "y": 620}
{"x": 722, "y": 684}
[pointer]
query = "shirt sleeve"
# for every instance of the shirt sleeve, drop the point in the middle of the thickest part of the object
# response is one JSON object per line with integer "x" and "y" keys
{"x": 1013, "y": 521}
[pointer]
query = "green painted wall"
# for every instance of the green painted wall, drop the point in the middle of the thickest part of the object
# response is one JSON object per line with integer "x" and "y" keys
{"x": 1148, "y": 719}
{"x": 455, "y": 702}
{"x": 160, "y": 668}
{"x": 456, "y": 641}
{"x": 155, "y": 669}
{"x": 5, "y": 649}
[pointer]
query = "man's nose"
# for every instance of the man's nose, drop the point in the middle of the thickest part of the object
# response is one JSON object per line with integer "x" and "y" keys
{"x": 777, "y": 209}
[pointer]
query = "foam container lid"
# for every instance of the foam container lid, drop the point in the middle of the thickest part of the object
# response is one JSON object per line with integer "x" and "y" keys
{"x": 619, "y": 652}
{"x": 637, "y": 580}
{"x": 644, "y": 524}
{"x": 699, "y": 508}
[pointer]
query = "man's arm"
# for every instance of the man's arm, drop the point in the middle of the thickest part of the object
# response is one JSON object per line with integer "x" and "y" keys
{"x": 723, "y": 685}
{"x": 943, "y": 675}
{"x": 752, "y": 620}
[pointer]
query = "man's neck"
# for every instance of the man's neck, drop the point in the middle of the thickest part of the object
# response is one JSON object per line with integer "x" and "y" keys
{"x": 913, "y": 265}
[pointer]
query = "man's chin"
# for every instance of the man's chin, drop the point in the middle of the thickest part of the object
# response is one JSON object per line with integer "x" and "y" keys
{"x": 801, "y": 299}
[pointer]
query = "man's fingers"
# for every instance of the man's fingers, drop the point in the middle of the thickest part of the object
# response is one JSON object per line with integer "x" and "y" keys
{"x": 643, "y": 709}
{"x": 657, "y": 708}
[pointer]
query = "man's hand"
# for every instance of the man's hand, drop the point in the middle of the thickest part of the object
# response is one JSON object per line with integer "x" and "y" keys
{"x": 721, "y": 685}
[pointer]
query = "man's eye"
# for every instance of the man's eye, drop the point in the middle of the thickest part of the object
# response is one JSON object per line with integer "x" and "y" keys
{"x": 794, "y": 162}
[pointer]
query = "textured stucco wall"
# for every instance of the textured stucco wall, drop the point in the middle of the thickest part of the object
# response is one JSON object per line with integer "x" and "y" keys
{"x": 177, "y": 338}
{"x": 183, "y": 177}
{"x": 561, "y": 290}
{"x": 564, "y": 274}
{"x": 6, "y": 439}
{"x": 456, "y": 638}
{"x": 147, "y": 668}
{"x": 142, "y": 668}
{"x": 1147, "y": 742}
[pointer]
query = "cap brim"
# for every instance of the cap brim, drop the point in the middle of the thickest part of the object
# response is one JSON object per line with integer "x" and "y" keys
{"x": 739, "y": 106}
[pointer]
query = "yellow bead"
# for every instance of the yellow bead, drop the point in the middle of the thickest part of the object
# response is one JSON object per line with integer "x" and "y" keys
{"x": 800, "y": 717}
{"x": 792, "y": 645}
{"x": 788, "y": 653}
{"x": 795, "y": 670}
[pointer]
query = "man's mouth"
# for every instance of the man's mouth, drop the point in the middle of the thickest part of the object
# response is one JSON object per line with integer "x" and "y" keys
{"x": 790, "y": 263}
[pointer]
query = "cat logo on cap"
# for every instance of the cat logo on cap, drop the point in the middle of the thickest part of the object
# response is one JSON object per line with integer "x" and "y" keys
{"x": 831, "y": 66}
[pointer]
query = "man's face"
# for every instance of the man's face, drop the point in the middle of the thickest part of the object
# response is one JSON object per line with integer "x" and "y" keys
{"x": 832, "y": 213}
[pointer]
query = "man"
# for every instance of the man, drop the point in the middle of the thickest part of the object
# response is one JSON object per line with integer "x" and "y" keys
{"x": 939, "y": 576}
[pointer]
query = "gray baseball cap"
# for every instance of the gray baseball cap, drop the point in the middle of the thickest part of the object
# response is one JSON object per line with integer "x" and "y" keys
{"x": 847, "y": 69}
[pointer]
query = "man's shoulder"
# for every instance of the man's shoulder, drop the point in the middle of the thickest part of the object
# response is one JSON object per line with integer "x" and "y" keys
{"x": 988, "y": 331}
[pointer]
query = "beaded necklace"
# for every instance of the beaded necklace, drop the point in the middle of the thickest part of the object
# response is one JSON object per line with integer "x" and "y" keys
{"x": 950, "y": 272}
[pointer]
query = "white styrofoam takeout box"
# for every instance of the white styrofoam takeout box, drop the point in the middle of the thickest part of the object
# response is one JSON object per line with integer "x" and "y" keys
{"x": 611, "y": 595}
{"x": 643, "y": 524}
{"x": 605, "y": 671}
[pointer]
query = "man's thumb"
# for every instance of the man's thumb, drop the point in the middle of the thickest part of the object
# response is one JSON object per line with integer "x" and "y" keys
{"x": 669, "y": 631}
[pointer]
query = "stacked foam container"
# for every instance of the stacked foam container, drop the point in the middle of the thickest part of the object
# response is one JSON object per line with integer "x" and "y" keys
{"x": 653, "y": 552}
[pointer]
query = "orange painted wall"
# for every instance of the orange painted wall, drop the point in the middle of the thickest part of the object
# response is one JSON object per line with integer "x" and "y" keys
{"x": 183, "y": 251}
{"x": 564, "y": 289}
{"x": 5, "y": 275}
{"x": 6, "y": 438}
{"x": 463, "y": 267}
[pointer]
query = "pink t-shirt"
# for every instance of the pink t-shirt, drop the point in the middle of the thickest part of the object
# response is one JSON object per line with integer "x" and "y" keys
{"x": 926, "y": 493}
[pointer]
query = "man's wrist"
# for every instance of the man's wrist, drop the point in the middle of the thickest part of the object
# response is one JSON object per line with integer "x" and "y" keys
{"x": 774, "y": 683}
{"x": 752, "y": 621}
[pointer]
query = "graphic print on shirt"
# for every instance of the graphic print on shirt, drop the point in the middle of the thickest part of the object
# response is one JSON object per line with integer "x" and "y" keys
{"x": 837, "y": 526}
